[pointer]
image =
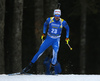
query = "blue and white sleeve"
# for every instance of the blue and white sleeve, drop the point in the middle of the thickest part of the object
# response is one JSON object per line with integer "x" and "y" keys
{"x": 67, "y": 28}
{"x": 45, "y": 25}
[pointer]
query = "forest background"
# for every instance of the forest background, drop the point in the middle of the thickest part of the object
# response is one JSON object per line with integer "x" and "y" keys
{"x": 21, "y": 24}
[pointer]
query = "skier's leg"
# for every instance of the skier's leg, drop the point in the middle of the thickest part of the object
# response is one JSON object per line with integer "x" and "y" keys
{"x": 55, "y": 51}
{"x": 42, "y": 48}
{"x": 54, "y": 59}
{"x": 26, "y": 69}
{"x": 47, "y": 42}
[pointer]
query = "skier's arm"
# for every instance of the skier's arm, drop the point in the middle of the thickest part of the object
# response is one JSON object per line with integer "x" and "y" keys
{"x": 67, "y": 28}
{"x": 67, "y": 31}
{"x": 45, "y": 28}
{"x": 45, "y": 25}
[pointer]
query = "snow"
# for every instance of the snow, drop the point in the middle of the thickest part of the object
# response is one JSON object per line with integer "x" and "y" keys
{"x": 4, "y": 77}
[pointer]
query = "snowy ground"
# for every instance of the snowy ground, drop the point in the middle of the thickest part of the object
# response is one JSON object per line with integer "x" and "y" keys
{"x": 4, "y": 77}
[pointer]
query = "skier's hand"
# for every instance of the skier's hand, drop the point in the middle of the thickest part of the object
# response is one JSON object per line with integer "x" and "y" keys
{"x": 43, "y": 36}
{"x": 67, "y": 40}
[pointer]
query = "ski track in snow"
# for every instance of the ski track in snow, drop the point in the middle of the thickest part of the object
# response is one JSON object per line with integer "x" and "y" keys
{"x": 4, "y": 77}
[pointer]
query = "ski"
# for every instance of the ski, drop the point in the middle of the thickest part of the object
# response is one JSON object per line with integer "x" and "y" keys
{"x": 12, "y": 74}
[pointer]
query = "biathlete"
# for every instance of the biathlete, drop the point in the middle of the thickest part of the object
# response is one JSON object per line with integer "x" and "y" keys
{"x": 52, "y": 39}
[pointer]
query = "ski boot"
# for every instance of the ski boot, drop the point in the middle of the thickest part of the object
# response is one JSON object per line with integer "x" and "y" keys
{"x": 52, "y": 69}
{"x": 26, "y": 69}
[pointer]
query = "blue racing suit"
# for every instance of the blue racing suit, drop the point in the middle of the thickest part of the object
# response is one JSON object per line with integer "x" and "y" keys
{"x": 52, "y": 38}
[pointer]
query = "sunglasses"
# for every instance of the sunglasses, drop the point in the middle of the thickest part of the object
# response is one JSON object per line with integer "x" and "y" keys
{"x": 57, "y": 15}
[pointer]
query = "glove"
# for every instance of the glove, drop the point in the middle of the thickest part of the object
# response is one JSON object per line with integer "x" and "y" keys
{"x": 67, "y": 40}
{"x": 43, "y": 36}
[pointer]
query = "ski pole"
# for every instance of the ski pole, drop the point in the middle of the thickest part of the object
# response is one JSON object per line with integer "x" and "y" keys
{"x": 69, "y": 46}
{"x": 42, "y": 40}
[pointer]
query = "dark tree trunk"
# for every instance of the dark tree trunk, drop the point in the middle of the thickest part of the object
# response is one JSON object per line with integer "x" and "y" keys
{"x": 2, "y": 17}
{"x": 46, "y": 9}
{"x": 83, "y": 37}
{"x": 16, "y": 36}
{"x": 38, "y": 18}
